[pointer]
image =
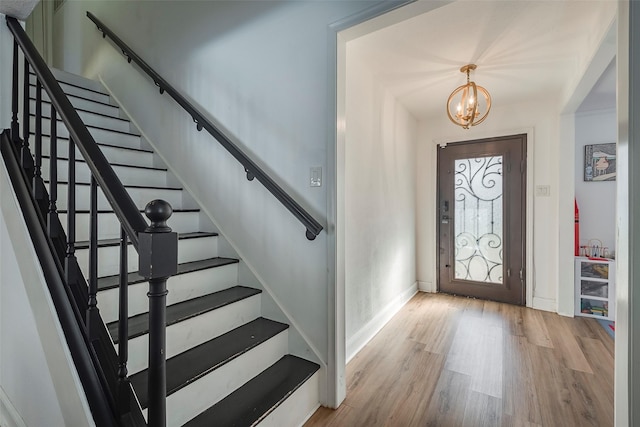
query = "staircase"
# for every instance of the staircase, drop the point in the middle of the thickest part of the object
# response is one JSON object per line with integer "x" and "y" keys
{"x": 226, "y": 365}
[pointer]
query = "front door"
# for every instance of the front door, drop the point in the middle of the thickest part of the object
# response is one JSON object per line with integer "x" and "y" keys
{"x": 481, "y": 218}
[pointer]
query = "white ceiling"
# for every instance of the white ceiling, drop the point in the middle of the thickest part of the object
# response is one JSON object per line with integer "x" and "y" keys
{"x": 525, "y": 50}
{"x": 603, "y": 94}
{"x": 20, "y": 9}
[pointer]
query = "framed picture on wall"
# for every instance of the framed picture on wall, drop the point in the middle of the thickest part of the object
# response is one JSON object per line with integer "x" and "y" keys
{"x": 600, "y": 162}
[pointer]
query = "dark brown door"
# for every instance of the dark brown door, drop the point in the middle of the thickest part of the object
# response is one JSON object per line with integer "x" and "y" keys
{"x": 481, "y": 218}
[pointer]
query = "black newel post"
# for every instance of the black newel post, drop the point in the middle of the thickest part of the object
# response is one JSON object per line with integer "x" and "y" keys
{"x": 158, "y": 249}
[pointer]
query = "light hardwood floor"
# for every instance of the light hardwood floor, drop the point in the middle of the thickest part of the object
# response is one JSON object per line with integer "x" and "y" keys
{"x": 454, "y": 361}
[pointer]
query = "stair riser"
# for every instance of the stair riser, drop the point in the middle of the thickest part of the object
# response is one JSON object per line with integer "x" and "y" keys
{"x": 109, "y": 226}
{"x": 127, "y": 175}
{"x": 92, "y": 115}
{"x": 195, "y": 331}
{"x": 83, "y": 104}
{"x": 298, "y": 407}
{"x": 181, "y": 288}
{"x": 100, "y": 135}
{"x": 75, "y": 91}
{"x": 113, "y": 154}
{"x": 199, "y": 395}
{"x": 89, "y": 119}
{"x": 140, "y": 196}
{"x": 73, "y": 79}
{"x": 109, "y": 257}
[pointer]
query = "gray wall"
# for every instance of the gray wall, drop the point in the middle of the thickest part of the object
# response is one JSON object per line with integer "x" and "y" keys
{"x": 380, "y": 204}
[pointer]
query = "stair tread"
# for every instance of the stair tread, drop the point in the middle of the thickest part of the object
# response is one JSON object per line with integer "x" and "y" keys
{"x": 108, "y": 211}
{"x": 116, "y": 242}
{"x": 154, "y": 187}
{"x": 66, "y": 138}
{"x": 196, "y": 362}
{"x": 259, "y": 396}
{"x": 155, "y": 168}
{"x": 139, "y": 324}
{"x": 109, "y": 282}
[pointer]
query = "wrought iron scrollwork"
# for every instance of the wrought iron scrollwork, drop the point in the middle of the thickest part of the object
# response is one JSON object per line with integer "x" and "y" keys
{"x": 478, "y": 221}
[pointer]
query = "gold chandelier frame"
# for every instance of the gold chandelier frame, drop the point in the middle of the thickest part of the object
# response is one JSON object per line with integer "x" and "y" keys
{"x": 466, "y": 113}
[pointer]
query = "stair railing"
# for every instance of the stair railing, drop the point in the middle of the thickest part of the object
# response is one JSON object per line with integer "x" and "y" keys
{"x": 313, "y": 227}
{"x": 102, "y": 373}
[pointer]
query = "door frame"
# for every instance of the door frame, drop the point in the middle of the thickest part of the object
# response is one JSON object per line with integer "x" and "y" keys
{"x": 507, "y": 289}
{"x": 529, "y": 231}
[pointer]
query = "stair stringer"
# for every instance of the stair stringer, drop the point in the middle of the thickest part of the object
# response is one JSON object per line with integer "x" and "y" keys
{"x": 55, "y": 371}
{"x": 299, "y": 344}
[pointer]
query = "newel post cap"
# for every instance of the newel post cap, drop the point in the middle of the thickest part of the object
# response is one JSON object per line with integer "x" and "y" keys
{"x": 158, "y": 211}
{"x": 158, "y": 245}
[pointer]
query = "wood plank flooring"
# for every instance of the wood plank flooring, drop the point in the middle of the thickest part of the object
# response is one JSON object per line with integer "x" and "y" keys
{"x": 454, "y": 361}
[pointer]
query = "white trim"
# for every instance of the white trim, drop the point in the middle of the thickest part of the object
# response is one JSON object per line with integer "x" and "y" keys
{"x": 545, "y": 304}
{"x": 309, "y": 415}
{"x": 336, "y": 384}
{"x": 368, "y": 331}
{"x": 9, "y": 416}
{"x": 566, "y": 217}
{"x": 427, "y": 287}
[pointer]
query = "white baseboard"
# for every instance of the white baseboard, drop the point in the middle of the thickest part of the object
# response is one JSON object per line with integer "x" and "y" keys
{"x": 367, "y": 332}
{"x": 545, "y": 304}
{"x": 310, "y": 414}
{"x": 9, "y": 416}
{"x": 426, "y": 287}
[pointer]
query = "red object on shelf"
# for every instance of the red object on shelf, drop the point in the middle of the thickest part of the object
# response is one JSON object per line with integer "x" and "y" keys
{"x": 577, "y": 229}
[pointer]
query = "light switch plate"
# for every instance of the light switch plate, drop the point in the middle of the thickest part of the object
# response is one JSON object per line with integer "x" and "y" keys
{"x": 543, "y": 191}
{"x": 315, "y": 176}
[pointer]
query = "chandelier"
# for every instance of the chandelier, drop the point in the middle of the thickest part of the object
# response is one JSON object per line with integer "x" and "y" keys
{"x": 464, "y": 107}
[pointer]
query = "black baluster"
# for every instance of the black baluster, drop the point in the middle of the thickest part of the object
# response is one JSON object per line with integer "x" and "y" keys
{"x": 123, "y": 326}
{"x": 70, "y": 258}
{"x": 25, "y": 154}
{"x": 52, "y": 216}
{"x": 15, "y": 126}
{"x": 92, "y": 306}
{"x": 158, "y": 261}
{"x": 38, "y": 185}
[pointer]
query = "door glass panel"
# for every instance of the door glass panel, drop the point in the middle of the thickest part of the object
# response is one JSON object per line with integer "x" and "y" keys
{"x": 478, "y": 219}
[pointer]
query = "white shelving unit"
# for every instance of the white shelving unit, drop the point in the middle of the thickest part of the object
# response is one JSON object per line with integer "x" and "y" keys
{"x": 595, "y": 288}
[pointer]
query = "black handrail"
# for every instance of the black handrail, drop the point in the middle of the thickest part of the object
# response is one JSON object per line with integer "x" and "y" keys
{"x": 251, "y": 168}
{"x": 114, "y": 191}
